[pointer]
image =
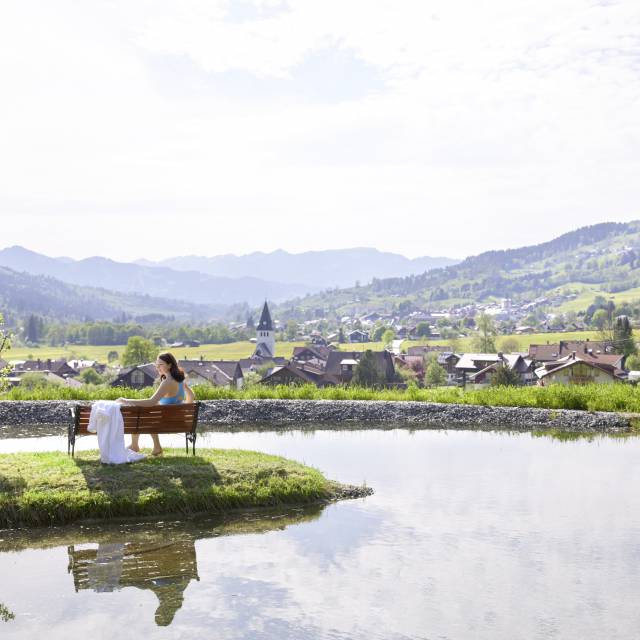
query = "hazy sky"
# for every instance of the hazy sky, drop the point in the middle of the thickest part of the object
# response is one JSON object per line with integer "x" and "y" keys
{"x": 154, "y": 128}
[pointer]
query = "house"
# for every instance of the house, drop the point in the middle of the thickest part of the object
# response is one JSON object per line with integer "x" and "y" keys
{"x": 47, "y": 376}
{"x": 59, "y": 367}
{"x": 448, "y": 361}
{"x": 295, "y": 373}
{"x": 341, "y": 366}
{"x": 317, "y": 354}
{"x": 478, "y": 368}
{"x": 524, "y": 330}
{"x": 358, "y": 336}
{"x": 81, "y": 365}
{"x": 252, "y": 364}
{"x": 514, "y": 361}
{"x": 220, "y": 373}
{"x": 575, "y": 369}
{"x": 136, "y": 377}
{"x": 541, "y": 353}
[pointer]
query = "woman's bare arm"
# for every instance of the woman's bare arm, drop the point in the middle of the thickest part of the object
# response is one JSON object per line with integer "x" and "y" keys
{"x": 190, "y": 396}
{"x": 161, "y": 391}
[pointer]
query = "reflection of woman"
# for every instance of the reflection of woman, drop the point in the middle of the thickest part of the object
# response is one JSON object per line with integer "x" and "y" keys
{"x": 173, "y": 389}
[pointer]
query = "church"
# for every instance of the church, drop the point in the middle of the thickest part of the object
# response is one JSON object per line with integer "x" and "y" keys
{"x": 265, "y": 335}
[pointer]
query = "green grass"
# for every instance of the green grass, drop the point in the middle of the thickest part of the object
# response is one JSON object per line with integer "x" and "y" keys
{"x": 41, "y": 489}
{"x": 230, "y": 351}
{"x": 598, "y": 397}
{"x": 237, "y": 350}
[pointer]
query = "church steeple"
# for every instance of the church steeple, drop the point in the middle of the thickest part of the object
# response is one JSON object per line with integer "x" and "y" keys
{"x": 265, "y": 323}
{"x": 265, "y": 335}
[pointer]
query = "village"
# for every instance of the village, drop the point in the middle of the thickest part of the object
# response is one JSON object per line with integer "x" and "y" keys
{"x": 323, "y": 361}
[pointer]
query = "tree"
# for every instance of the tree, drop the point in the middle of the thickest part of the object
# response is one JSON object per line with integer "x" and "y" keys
{"x": 485, "y": 341}
{"x": 388, "y": 336}
{"x": 435, "y": 375}
{"x": 600, "y": 319}
{"x": 5, "y": 345}
{"x": 632, "y": 363}
{"x": 367, "y": 373}
{"x": 34, "y": 329}
{"x": 139, "y": 350}
{"x": 91, "y": 376}
{"x": 423, "y": 329}
{"x": 112, "y": 356}
{"x": 378, "y": 332}
{"x": 505, "y": 377}
{"x": 623, "y": 336}
{"x": 291, "y": 330}
{"x": 509, "y": 345}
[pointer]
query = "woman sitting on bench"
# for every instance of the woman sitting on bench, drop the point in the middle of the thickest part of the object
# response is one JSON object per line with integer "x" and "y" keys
{"x": 172, "y": 390}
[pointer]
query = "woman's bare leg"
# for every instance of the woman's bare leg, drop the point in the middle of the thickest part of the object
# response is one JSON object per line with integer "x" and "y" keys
{"x": 157, "y": 449}
{"x": 134, "y": 442}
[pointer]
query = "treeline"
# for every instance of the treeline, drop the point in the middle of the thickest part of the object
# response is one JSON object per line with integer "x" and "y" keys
{"x": 37, "y": 330}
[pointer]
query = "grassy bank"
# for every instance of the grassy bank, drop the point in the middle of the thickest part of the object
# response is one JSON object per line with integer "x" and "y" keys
{"x": 598, "y": 397}
{"x": 39, "y": 489}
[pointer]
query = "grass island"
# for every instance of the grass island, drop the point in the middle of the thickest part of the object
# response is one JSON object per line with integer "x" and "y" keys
{"x": 44, "y": 489}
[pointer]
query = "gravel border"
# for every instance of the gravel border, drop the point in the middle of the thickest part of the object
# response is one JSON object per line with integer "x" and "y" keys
{"x": 340, "y": 413}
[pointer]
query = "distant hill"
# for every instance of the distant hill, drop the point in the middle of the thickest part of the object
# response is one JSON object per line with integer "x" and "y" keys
{"x": 317, "y": 269}
{"x": 22, "y": 294}
{"x": 191, "y": 286}
{"x": 607, "y": 255}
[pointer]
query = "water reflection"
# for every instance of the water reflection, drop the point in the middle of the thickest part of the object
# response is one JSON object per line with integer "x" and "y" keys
{"x": 468, "y": 535}
{"x": 166, "y": 568}
{"x": 160, "y": 558}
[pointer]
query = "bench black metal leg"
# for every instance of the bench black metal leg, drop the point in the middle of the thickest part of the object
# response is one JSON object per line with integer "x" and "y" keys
{"x": 186, "y": 443}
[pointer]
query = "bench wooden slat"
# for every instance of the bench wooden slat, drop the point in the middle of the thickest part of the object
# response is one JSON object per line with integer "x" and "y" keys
{"x": 179, "y": 418}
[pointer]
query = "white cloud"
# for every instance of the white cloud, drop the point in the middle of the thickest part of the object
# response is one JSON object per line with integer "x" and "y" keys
{"x": 347, "y": 123}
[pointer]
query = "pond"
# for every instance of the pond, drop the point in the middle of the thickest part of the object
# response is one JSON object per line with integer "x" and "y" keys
{"x": 470, "y": 534}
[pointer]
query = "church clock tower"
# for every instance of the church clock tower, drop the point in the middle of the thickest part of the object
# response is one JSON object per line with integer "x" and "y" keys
{"x": 265, "y": 335}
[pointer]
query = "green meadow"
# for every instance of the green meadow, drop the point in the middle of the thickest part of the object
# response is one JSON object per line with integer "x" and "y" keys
{"x": 236, "y": 350}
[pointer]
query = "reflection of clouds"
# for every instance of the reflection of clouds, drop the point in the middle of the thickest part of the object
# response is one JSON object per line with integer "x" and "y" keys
{"x": 468, "y": 535}
{"x": 339, "y": 532}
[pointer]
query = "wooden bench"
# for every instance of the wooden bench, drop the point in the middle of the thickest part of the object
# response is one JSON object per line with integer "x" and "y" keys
{"x": 167, "y": 418}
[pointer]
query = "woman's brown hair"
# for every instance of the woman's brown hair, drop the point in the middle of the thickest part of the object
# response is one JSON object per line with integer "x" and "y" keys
{"x": 176, "y": 372}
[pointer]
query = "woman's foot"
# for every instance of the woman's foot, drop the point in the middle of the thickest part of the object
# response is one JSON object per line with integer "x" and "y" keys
{"x": 156, "y": 452}
{"x": 134, "y": 447}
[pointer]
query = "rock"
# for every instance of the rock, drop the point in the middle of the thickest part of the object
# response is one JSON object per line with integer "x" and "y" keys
{"x": 338, "y": 414}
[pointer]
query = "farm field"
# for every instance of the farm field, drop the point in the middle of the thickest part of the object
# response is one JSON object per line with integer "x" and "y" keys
{"x": 236, "y": 350}
{"x": 589, "y": 292}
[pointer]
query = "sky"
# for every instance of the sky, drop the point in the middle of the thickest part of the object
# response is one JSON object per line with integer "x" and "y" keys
{"x": 148, "y": 129}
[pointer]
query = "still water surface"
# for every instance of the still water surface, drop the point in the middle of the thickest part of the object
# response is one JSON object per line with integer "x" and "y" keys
{"x": 468, "y": 535}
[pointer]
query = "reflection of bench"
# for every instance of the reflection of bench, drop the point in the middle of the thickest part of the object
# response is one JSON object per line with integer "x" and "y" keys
{"x": 166, "y": 568}
{"x": 169, "y": 418}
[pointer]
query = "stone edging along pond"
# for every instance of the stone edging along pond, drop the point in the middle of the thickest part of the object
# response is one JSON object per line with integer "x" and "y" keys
{"x": 337, "y": 413}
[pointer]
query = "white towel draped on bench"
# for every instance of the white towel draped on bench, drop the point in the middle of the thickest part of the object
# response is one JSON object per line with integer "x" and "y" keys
{"x": 106, "y": 420}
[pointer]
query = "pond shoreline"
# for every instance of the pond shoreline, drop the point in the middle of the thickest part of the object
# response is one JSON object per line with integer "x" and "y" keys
{"x": 46, "y": 489}
{"x": 334, "y": 413}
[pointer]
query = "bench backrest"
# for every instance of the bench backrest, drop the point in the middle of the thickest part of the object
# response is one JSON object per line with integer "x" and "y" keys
{"x": 168, "y": 418}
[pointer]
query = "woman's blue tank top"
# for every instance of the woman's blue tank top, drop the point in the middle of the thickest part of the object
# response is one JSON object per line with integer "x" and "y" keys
{"x": 177, "y": 399}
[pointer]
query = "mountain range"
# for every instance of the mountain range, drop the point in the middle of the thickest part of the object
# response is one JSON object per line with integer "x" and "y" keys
{"x": 598, "y": 258}
{"x": 22, "y": 294}
{"x": 316, "y": 269}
